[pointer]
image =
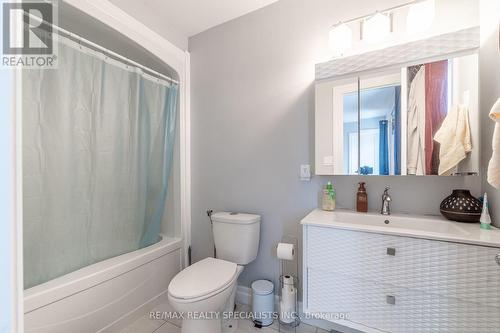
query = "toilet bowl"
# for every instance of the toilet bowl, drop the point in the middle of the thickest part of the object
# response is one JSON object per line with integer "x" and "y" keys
{"x": 204, "y": 292}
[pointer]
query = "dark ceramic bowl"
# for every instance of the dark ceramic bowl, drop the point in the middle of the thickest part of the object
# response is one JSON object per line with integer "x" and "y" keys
{"x": 461, "y": 206}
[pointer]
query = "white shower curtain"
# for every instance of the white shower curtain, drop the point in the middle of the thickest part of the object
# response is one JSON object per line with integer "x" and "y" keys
{"x": 98, "y": 138}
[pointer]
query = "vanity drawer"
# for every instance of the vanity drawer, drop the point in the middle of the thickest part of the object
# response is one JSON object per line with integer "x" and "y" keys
{"x": 396, "y": 309}
{"x": 350, "y": 252}
{"x": 359, "y": 301}
{"x": 461, "y": 271}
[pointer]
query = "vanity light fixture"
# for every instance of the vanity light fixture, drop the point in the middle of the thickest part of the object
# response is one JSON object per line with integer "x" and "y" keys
{"x": 420, "y": 16}
{"x": 376, "y": 27}
{"x": 340, "y": 38}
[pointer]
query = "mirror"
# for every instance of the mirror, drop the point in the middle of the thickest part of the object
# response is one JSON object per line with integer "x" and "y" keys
{"x": 420, "y": 119}
{"x": 380, "y": 128}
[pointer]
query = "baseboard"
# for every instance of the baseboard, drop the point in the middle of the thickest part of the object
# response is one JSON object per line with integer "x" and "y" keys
{"x": 244, "y": 296}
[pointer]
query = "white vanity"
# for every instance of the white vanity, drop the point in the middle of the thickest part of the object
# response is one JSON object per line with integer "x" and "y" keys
{"x": 401, "y": 273}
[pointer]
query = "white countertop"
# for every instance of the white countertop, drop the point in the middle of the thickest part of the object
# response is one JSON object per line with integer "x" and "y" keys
{"x": 418, "y": 226}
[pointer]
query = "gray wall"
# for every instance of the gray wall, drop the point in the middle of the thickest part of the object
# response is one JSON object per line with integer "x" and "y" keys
{"x": 252, "y": 125}
{"x": 489, "y": 90}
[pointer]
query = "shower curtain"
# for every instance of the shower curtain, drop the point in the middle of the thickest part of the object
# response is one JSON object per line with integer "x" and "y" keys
{"x": 98, "y": 140}
{"x": 383, "y": 145}
{"x": 397, "y": 130}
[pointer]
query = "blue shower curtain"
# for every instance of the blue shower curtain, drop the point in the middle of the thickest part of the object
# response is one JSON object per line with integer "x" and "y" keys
{"x": 98, "y": 140}
{"x": 383, "y": 148}
{"x": 152, "y": 227}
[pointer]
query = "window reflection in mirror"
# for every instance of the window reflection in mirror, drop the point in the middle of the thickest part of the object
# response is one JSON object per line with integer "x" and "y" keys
{"x": 350, "y": 136}
{"x": 343, "y": 97}
{"x": 380, "y": 127}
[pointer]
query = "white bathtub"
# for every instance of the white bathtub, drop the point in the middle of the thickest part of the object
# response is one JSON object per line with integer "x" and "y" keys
{"x": 104, "y": 296}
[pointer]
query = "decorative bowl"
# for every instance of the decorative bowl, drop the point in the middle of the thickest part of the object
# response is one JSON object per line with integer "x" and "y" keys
{"x": 461, "y": 206}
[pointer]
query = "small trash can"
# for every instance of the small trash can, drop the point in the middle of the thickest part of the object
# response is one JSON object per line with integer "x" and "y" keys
{"x": 263, "y": 302}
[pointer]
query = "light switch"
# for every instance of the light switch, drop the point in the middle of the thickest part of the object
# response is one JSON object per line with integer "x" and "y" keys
{"x": 305, "y": 172}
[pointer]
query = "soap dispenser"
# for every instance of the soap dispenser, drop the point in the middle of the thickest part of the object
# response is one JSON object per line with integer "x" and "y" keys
{"x": 328, "y": 201}
{"x": 362, "y": 199}
{"x": 485, "y": 215}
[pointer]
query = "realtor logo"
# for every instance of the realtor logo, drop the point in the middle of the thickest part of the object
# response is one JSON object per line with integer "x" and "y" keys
{"x": 28, "y": 40}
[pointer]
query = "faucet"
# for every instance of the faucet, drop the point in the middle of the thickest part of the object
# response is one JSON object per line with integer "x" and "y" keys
{"x": 386, "y": 202}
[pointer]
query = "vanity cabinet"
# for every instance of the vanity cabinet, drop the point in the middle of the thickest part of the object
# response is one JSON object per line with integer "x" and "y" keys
{"x": 401, "y": 284}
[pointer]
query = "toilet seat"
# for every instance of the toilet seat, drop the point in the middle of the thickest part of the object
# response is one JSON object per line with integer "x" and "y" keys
{"x": 202, "y": 279}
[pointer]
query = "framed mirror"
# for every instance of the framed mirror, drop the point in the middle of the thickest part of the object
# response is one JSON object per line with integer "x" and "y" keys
{"x": 418, "y": 118}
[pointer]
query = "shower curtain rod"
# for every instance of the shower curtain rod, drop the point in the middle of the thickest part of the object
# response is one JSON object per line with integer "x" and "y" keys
{"x": 79, "y": 39}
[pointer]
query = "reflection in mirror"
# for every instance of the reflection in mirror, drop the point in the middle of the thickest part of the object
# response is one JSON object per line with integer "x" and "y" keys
{"x": 350, "y": 118}
{"x": 442, "y": 106}
{"x": 416, "y": 120}
{"x": 380, "y": 125}
{"x": 340, "y": 99}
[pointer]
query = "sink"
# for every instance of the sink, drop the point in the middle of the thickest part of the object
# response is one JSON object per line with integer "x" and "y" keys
{"x": 429, "y": 224}
{"x": 431, "y": 227}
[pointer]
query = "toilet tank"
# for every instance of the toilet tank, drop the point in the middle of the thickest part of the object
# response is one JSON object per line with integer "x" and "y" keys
{"x": 236, "y": 236}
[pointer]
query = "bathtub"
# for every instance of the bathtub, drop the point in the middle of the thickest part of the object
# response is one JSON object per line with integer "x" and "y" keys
{"x": 105, "y": 296}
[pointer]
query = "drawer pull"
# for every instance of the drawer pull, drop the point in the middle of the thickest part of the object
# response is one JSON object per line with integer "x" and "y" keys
{"x": 391, "y": 299}
{"x": 497, "y": 258}
{"x": 391, "y": 251}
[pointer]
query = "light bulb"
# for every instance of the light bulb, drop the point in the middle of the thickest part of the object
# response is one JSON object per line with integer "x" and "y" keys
{"x": 376, "y": 28}
{"x": 420, "y": 16}
{"x": 340, "y": 38}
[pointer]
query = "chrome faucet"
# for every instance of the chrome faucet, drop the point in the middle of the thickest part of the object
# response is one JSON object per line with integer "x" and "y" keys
{"x": 386, "y": 202}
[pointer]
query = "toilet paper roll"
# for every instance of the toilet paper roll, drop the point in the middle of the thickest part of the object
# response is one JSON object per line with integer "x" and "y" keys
{"x": 288, "y": 280}
{"x": 285, "y": 251}
{"x": 287, "y": 313}
{"x": 288, "y": 296}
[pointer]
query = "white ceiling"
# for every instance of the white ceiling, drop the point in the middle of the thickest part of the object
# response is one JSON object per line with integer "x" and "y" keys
{"x": 180, "y": 19}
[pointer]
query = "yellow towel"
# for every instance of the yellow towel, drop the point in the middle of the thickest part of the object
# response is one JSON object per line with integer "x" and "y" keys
{"x": 494, "y": 165}
{"x": 454, "y": 139}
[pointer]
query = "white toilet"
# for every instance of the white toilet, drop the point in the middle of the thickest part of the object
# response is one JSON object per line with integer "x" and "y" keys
{"x": 204, "y": 292}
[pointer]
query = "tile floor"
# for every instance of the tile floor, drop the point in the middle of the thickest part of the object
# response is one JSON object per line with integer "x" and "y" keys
{"x": 147, "y": 325}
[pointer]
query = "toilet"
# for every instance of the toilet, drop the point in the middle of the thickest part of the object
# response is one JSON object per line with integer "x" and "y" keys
{"x": 204, "y": 292}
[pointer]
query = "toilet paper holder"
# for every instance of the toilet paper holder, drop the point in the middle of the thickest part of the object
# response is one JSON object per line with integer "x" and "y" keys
{"x": 288, "y": 315}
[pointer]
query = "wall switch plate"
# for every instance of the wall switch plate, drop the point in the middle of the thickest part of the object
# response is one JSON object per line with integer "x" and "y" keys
{"x": 305, "y": 172}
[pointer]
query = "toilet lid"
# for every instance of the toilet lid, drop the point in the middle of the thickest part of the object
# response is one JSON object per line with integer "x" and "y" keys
{"x": 202, "y": 278}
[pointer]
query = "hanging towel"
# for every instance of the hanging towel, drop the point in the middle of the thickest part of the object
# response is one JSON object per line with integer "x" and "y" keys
{"x": 416, "y": 125}
{"x": 436, "y": 108}
{"x": 494, "y": 165}
{"x": 454, "y": 139}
